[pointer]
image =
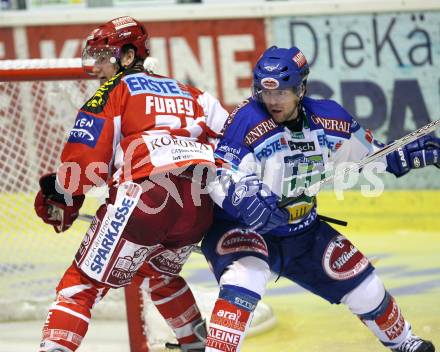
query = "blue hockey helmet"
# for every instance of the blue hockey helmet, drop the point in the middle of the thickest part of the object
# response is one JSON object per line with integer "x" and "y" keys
{"x": 280, "y": 68}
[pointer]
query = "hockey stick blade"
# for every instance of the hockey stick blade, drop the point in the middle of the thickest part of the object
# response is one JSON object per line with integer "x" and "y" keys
{"x": 393, "y": 146}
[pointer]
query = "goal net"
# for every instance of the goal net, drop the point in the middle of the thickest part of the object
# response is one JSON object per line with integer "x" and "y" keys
{"x": 39, "y": 100}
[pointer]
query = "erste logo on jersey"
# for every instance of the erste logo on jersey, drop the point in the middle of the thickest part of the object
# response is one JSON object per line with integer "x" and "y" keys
{"x": 140, "y": 83}
{"x": 270, "y": 146}
{"x": 163, "y": 95}
{"x": 331, "y": 142}
{"x": 86, "y": 130}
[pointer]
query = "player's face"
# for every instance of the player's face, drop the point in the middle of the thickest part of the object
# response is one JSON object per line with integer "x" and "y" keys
{"x": 105, "y": 70}
{"x": 104, "y": 62}
{"x": 101, "y": 61}
{"x": 282, "y": 104}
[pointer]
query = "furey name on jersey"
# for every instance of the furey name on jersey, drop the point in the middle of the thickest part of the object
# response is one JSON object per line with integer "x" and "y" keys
{"x": 164, "y": 95}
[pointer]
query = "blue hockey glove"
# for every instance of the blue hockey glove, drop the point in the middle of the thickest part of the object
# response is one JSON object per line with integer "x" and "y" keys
{"x": 420, "y": 153}
{"x": 256, "y": 205}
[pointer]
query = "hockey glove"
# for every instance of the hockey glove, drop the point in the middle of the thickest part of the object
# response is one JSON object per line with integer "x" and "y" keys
{"x": 51, "y": 206}
{"x": 420, "y": 153}
{"x": 257, "y": 206}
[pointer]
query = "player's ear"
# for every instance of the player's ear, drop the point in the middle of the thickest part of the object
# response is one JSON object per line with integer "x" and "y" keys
{"x": 128, "y": 57}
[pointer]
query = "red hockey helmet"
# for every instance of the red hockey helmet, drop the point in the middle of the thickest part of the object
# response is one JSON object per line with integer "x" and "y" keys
{"x": 106, "y": 41}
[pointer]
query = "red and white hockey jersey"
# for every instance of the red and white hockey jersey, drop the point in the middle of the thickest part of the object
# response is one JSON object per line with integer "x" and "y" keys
{"x": 135, "y": 125}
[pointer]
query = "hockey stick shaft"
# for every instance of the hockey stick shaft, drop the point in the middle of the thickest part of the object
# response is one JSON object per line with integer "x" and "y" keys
{"x": 399, "y": 143}
{"x": 85, "y": 217}
{"x": 393, "y": 146}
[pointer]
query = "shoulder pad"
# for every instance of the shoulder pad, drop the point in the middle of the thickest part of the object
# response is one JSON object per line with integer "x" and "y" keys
{"x": 328, "y": 115}
{"x": 231, "y": 116}
{"x": 261, "y": 129}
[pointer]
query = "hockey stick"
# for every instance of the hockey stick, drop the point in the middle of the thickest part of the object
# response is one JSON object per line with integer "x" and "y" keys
{"x": 86, "y": 217}
{"x": 411, "y": 137}
{"x": 393, "y": 146}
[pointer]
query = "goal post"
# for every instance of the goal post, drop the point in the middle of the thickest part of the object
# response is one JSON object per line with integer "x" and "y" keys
{"x": 39, "y": 100}
{"x": 41, "y": 69}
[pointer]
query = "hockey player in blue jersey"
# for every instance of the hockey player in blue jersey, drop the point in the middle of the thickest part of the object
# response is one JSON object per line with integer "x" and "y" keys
{"x": 266, "y": 141}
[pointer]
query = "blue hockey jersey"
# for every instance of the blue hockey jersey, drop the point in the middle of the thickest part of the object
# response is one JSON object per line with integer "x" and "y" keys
{"x": 285, "y": 158}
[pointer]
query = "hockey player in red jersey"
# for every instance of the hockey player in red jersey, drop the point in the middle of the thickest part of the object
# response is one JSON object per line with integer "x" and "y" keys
{"x": 148, "y": 138}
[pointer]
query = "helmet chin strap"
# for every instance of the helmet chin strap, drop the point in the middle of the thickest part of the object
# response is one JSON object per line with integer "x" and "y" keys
{"x": 303, "y": 91}
{"x": 299, "y": 105}
{"x": 296, "y": 113}
{"x": 299, "y": 109}
{"x": 121, "y": 68}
